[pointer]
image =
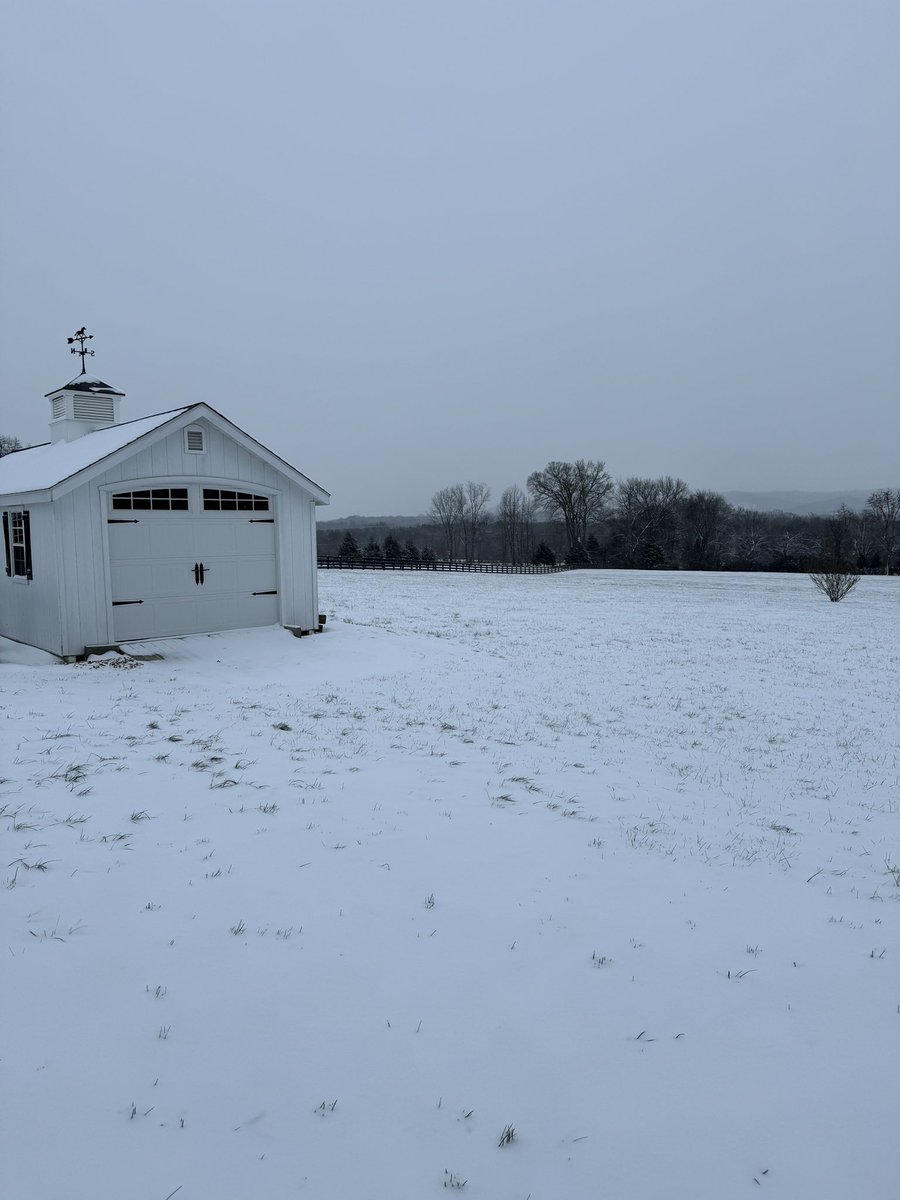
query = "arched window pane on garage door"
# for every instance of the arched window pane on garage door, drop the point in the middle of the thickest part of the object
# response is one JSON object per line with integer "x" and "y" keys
{"x": 224, "y": 500}
{"x": 155, "y": 499}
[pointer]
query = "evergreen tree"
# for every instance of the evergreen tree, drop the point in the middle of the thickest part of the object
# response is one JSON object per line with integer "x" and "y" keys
{"x": 411, "y": 551}
{"x": 349, "y": 546}
{"x": 372, "y": 550}
{"x": 651, "y": 557}
{"x": 428, "y": 556}
{"x": 543, "y": 556}
{"x": 594, "y": 552}
{"x": 393, "y": 551}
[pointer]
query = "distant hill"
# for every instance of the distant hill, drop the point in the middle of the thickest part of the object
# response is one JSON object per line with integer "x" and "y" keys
{"x": 357, "y": 522}
{"x": 802, "y": 503}
{"x": 820, "y": 503}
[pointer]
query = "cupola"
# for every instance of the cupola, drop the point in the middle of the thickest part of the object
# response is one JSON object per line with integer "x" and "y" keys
{"x": 85, "y": 403}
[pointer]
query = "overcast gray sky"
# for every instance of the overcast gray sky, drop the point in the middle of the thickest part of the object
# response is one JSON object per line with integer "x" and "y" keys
{"x": 410, "y": 243}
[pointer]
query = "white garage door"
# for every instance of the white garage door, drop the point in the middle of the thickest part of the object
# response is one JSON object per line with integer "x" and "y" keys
{"x": 179, "y": 573}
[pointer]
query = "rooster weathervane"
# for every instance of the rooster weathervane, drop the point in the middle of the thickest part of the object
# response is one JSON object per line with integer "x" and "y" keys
{"x": 82, "y": 336}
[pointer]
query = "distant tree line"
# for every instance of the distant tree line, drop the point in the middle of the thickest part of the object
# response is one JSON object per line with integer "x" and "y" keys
{"x": 574, "y": 512}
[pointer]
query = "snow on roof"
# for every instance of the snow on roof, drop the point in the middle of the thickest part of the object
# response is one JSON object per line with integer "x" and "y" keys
{"x": 44, "y": 466}
{"x": 87, "y": 383}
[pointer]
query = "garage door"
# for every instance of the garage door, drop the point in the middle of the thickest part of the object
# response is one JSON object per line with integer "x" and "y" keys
{"x": 182, "y": 572}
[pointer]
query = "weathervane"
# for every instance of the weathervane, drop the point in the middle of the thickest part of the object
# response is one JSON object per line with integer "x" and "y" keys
{"x": 81, "y": 337}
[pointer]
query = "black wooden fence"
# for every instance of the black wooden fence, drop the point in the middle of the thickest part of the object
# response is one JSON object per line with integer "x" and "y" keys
{"x": 336, "y": 562}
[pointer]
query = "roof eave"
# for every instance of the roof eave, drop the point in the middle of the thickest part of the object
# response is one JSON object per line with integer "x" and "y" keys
{"x": 35, "y": 496}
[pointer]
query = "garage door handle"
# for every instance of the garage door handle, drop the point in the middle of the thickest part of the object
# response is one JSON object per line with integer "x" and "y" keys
{"x": 202, "y": 574}
{"x": 197, "y": 574}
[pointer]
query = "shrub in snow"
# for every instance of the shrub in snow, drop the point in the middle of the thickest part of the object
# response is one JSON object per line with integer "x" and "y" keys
{"x": 835, "y": 584}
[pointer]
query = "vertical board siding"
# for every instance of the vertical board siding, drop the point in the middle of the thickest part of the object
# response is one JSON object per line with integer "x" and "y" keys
{"x": 313, "y": 552}
{"x": 82, "y": 578}
{"x": 91, "y": 515}
{"x": 71, "y": 601}
{"x": 29, "y": 611}
{"x": 290, "y": 551}
{"x": 230, "y": 459}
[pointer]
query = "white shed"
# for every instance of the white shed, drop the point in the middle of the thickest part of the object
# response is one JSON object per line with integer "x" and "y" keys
{"x": 173, "y": 524}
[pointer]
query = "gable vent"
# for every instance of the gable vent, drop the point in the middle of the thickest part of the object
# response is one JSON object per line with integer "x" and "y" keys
{"x": 193, "y": 440}
{"x": 58, "y": 407}
{"x": 93, "y": 408}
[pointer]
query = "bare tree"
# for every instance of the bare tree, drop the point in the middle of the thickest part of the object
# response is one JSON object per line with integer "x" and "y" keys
{"x": 669, "y": 497}
{"x": 8, "y": 444}
{"x": 647, "y": 512}
{"x": 862, "y": 538}
{"x": 447, "y": 510}
{"x": 576, "y": 492}
{"x": 883, "y": 508}
{"x": 515, "y": 516}
{"x": 750, "y": 544}
{"x": 474, "y": 516}
{"x": 791, "y": 547}
{"x": 630, "y": 519}
{"x": 704, "y": 515}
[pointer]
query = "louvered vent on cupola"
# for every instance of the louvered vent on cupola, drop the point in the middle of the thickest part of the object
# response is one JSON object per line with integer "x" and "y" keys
{"x": 93, "y": 408}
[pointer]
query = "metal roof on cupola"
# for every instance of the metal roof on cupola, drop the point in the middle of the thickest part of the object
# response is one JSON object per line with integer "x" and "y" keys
{"x": 86, "y": 383}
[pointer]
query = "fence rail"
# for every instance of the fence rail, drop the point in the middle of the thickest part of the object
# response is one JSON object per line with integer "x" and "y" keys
{"x": 336, "y": 562}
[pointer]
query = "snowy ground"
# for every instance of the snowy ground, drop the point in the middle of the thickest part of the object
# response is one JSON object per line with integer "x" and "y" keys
{"x": 605, "y": 862}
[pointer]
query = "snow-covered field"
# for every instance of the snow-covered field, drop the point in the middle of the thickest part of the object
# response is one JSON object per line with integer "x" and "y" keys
{"x": 566, "y": 887}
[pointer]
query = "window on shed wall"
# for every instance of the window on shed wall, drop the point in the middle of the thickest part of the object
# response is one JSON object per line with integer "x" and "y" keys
{"x": 17, "y": 544}
{"x": 194, "y": 440}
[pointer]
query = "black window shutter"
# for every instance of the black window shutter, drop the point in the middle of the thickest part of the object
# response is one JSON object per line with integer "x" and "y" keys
{"x": 6, "y": 542}
{"x": 26, "y": 530}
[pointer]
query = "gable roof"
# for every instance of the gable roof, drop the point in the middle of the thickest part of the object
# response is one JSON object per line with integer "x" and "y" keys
{"x": 53, "y": 464}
